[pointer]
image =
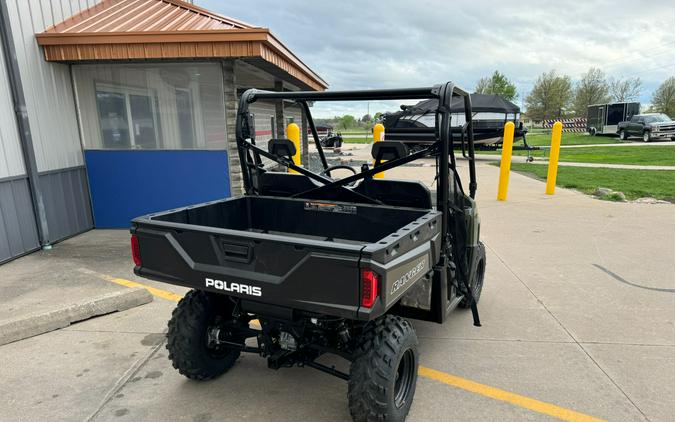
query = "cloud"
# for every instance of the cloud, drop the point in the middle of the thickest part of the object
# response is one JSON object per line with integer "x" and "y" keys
{"x": 382, "y": 44}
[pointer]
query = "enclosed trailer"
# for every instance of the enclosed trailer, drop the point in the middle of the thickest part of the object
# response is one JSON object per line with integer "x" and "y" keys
{"x": 603, "y": 119}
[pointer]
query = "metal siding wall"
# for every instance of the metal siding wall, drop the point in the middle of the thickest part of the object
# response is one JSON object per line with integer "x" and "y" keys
{"x": 263, "y": 112}
{"x": 66, "y": 196}
{"x": 11, "y": 158}
{"x": 18, "y": 233}
{"x": 295, "y": 112}
{"x": 47, "y": 86}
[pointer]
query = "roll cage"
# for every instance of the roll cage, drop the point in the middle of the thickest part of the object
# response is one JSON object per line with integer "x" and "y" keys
{"x": 442, "y": 148}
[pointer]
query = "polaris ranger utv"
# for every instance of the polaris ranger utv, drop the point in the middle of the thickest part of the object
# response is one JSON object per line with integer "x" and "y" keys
{"x": 304, "y": 265}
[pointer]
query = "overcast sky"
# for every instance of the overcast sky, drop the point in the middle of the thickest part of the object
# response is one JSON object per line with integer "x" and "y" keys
{"x": 393, "y": 43}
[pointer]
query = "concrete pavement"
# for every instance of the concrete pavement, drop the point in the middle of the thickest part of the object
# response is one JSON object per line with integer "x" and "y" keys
{"x": 618, "y": 144}
{"x": 559, "y": 325}
{"x": 43, "y": 291}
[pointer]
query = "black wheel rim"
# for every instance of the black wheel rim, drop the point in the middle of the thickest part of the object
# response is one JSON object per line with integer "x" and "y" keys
{"x": 405, "y": 374}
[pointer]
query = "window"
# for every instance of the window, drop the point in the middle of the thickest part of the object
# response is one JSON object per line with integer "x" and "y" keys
{"x": 186, "y": 123}
{"x": 151, "y": 106}
{"x": 112, "y": 111}
{"x": 127, "y": 117}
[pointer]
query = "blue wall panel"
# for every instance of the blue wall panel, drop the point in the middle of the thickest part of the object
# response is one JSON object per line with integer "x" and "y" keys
{"x": 127, "y": 184}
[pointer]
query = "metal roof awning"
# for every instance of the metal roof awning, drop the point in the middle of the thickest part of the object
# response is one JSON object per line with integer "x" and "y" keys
{"x": 119, "y": 30}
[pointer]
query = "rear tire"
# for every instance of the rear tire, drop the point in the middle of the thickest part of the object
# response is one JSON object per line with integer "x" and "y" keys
{"x": 383, "y": 376}
{"x": 476, "y": 283}
{"x": 187, "y": 339}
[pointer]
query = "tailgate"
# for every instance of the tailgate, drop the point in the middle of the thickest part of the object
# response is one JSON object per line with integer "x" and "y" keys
{"x": 302, "y": 273}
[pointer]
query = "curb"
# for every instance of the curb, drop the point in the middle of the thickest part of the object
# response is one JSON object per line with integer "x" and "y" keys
{"x": 40, "y": 323}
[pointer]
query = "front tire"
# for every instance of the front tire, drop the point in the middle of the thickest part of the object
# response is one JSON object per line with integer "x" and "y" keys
{"x": 383, "y": 376}
{"x": 646, "y": 136}
{"x": 188, "y": 343}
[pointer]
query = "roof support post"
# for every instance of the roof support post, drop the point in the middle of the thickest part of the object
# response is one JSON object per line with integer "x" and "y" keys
{"x": 279, "y": 111}
{"x": 231, "y": 106}
{"x": 305, "y": 138}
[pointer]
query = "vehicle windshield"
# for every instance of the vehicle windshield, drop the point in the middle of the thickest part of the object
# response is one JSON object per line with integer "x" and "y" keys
{"x": 657, "y": 118}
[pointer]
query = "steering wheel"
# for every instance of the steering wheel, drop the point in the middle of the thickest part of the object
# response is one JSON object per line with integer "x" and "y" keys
{"x": 339, "y": 167}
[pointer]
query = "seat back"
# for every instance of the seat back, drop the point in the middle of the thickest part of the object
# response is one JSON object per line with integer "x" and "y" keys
{"x": 281, "y": 147}
{"x": 399, "y": 193}
{"x": 388, "y": 150}
{"x": 284, "y": 184}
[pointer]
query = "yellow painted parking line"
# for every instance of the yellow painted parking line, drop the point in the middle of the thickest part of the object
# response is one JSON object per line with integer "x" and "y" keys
{"x": 443, "y": 377}
{"x": 128, "y": 283}
{"x": 505, "y": 396}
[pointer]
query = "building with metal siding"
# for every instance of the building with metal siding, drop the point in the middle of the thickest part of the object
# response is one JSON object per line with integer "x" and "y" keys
{"x": 56, "y": 146}
{"x": 11, "y": 159}
{"x": 130, "y": 104}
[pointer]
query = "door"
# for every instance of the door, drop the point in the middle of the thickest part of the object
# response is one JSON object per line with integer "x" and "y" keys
{"x": 636, "y": 125}
{"x": 615, "y": 114}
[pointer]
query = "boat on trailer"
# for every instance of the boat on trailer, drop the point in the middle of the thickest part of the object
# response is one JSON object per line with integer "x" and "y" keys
{"x": 414, "y": 125}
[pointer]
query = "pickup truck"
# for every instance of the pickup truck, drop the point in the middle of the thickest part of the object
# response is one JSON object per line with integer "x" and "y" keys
{"x": 653, "y": 126}
{"x": 304, "y": 264}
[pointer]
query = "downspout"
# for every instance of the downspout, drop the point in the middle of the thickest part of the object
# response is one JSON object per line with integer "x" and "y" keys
{"x": 23, "y": 125}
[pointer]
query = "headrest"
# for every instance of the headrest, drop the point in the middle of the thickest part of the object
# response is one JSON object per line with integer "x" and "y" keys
{"x": 281, "y": 147}
{"x": 389, "y": 150}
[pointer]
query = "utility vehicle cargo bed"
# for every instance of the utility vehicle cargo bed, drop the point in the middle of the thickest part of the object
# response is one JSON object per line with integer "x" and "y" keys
{"x": 292, "y": 253}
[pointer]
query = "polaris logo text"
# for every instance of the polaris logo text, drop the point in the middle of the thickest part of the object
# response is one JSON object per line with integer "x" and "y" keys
{"x": 234, "y": 287}
{"x": 405, "y": 278}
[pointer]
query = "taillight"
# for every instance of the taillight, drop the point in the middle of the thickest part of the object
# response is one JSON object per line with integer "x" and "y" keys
{"x": 369, "y": 280}
{"x": 135, "y": 250}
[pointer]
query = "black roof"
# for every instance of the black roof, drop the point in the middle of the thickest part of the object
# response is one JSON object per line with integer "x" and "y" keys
{"x": 479, "y": 102}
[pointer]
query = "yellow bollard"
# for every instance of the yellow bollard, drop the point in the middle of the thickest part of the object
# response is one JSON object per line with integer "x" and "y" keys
{"x": 505, "y": 165}
{"x": 556, "y": 139}
{"x": 378, "y": 135}
{"x": 293, "y": 133}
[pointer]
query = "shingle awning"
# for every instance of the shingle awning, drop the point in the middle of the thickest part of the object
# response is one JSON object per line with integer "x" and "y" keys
{"x": 117, "y": 30}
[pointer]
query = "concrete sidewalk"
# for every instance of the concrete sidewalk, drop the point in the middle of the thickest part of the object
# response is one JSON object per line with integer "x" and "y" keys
{"x": 523, "y": 159}
{"x": 44, "y": 291}
{"x": 618, "y": 144}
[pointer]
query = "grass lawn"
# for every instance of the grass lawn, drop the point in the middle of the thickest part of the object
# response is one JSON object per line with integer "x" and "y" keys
{"x": 653, "y": 155}
{"x": 633, "y": 183}
{"x": 543, "y": 139}
{"x": 360, "y": 132}
{"x": 357, "y": 140}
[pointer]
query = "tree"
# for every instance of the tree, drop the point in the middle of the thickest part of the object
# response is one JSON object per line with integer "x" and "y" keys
{"x": 550, "y": 97}
{"x": 347, "y": 121}
{"x": 663, "y": 100}
{"x": 591, "y": 89}
{"x": 497, "y": 84}
{"x": 625, "y": 90}
{"x": 366, "y": 118}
